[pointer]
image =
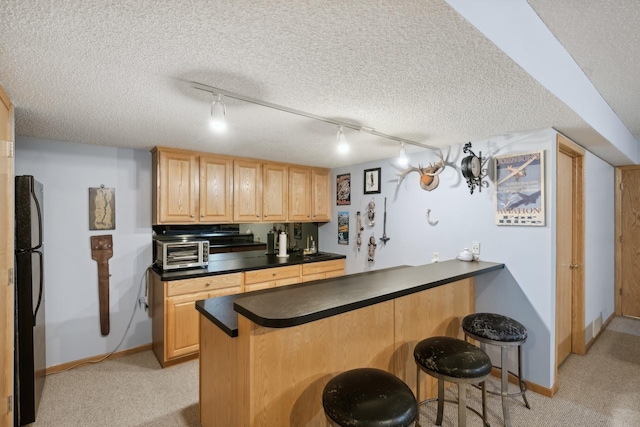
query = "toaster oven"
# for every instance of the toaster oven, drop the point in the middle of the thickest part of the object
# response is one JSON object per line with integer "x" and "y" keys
{"x": 171, "y": 255}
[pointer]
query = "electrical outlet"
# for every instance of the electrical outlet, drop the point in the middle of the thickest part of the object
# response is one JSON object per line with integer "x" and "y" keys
{"x": 475, "y": 248}
{"x": 436, "y": 257}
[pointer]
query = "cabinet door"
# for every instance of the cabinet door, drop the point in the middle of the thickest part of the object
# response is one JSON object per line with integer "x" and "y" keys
{"x": 216, "y": 191}
{"x": 247, "y": 191}
{"x": 182, "y": 322}
{"x": 299, "y": 194}
{"x": 177, "y": 190}
{"x": 182, "y": 327}
{"x": 321, "y": 195}
{"x": 274, "y": 192}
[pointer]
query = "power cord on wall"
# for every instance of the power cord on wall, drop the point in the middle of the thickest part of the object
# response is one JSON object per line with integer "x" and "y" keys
{"x": 140, "y": 302}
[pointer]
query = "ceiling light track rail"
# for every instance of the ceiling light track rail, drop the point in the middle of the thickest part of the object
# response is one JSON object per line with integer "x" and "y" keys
{"x": 218, "y": 91}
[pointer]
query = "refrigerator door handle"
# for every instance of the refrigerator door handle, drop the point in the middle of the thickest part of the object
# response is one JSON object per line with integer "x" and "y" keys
{"x": 40, "y": 237}
{"x": 35, "y": 313}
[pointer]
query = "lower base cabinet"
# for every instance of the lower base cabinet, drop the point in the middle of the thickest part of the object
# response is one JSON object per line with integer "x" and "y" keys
{"x": 175, "y": 320}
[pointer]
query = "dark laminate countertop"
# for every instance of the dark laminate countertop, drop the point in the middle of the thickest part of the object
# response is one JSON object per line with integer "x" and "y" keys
{"x": 234, "y": 262}
{"x": 297, "y": 304}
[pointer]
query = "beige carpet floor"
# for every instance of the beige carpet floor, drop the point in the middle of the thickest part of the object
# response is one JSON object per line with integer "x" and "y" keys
{"x": 599, "y": 389}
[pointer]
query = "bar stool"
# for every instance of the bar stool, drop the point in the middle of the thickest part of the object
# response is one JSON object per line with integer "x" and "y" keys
{"x": 368, "y": 397}
{"x": 456, "y": 361}
{"x": 496, "y": 329}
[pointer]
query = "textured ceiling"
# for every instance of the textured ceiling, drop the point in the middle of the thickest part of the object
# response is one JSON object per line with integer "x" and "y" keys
{"x": 603, "y": 37}
{"x": 116, "y": 73}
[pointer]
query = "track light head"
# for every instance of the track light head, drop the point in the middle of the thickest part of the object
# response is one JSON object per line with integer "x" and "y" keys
{"x": 343, "y": 147}
{"x": 218, "y": 120}
{"x": 403, "y": 160}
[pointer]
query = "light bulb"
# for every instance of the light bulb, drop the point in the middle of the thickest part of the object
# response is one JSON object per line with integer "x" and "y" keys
{"x": 343, "y": 147}
{"x": 218, "y": 120}
{"x": 403, "y": 160}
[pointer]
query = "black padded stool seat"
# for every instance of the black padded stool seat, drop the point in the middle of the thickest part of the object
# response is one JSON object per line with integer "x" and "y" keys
{"x": 503, "y": 331}
{"x": 494, "y": 327}
{"x": 369, "y": 397}
{"x": 456, "y": 361}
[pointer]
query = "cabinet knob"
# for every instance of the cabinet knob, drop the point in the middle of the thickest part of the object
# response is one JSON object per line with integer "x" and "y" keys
{"x": 274, "y": 274}
{"x": 257, "y": 216}
{"x": 201, "y": 215}
{"x": 307, "y": 216}
{"x": 208, "y": 284}
{"x": 193, "y": 216}
{"x": 265, "y": 215}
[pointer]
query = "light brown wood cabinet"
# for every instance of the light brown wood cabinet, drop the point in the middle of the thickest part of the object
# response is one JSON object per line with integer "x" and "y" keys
{"x": 271, "y": 277}
{"x": 309, "y": 194}
{"x": 320, "y": 195}
{"x": 275, "y": 192}
{"x": 299, "y": 194}
{"x": 247, "y": 191}
{"x": 260, "y": 191}
{"x": 191, "y": 188}
{"x": 323, "y": 270}
{"x": 175, "y": 327}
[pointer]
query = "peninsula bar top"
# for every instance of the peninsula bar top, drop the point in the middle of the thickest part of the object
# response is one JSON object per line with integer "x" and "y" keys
{"x": 302, "y": 303}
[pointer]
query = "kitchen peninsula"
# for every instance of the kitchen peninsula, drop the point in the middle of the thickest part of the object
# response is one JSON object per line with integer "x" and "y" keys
{"x": 266, "y": 356}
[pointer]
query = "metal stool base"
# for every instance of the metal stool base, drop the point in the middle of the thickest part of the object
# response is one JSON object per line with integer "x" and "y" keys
{"x": 462, "y": 397}
{"x": 504, "y": 372}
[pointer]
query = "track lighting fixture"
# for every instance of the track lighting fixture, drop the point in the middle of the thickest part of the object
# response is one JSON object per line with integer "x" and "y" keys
{"x": 218, "y": 105}
{"x": 218, "y": 120}
{"x": 403, "y": 160}
{"x": 343, "y": 147}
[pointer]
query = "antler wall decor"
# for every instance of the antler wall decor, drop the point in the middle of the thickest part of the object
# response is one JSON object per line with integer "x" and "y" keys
{"x": 428, "y": 175}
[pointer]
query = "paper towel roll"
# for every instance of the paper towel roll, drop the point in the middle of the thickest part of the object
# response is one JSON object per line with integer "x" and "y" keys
{"x": 282, "y": 245}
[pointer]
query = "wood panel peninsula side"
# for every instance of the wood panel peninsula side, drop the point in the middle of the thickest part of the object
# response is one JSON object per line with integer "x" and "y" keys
{"x": 266, "y": 356}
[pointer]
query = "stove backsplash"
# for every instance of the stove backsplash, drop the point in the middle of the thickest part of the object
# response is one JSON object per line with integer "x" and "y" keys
{"x": 299, "y": 232}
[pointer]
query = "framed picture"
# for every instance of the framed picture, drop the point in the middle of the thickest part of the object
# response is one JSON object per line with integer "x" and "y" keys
{"x": 520, "y": 189}
{"x": 343, "y": 228}
{"x": 343, "y": 189}
{"x": 102, "y": 208}
{"x": 372, "y": 181}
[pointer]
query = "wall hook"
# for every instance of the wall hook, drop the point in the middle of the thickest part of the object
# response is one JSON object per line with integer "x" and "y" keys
{"x": 431, "y": 222}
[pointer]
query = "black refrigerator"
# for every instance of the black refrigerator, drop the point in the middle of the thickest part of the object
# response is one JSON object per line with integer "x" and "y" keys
{"x": 30, "y": 353}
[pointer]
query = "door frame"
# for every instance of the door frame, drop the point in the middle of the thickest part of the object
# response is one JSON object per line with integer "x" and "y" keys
{"x": 618, "y": 231}
{"x": 565, "y": 146}
{"x": 6, "y": 272}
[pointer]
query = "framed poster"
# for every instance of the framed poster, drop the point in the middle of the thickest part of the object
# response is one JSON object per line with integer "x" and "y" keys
{"x": 343, "y": 228}
{"x": 102, "y": 208}
{"x": 520, "y": 189}
{"x": 372, "y": 181}
{"x": 343, "y": 189}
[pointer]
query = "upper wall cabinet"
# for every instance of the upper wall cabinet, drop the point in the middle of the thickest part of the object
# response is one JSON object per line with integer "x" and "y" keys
{"x": 275, "y": 192}
{"x": 320, "y": 195}
{"x": 216, "y": 189}
{"x": 299, "y": 194}
{"x": 309, "y": 194}
{"x": 247, "y": 191}
{"x": 191, "y": 188}
{"x": 260, "y": 191}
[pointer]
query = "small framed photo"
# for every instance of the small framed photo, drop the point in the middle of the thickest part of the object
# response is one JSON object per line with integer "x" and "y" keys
{"x": 372, "y": 181}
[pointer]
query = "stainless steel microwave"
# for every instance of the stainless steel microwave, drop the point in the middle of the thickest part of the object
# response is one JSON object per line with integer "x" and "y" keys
{"x": 177, "y": 254}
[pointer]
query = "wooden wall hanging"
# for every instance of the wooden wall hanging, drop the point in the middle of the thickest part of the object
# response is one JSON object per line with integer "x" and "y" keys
{"x": 101, "y": 251}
